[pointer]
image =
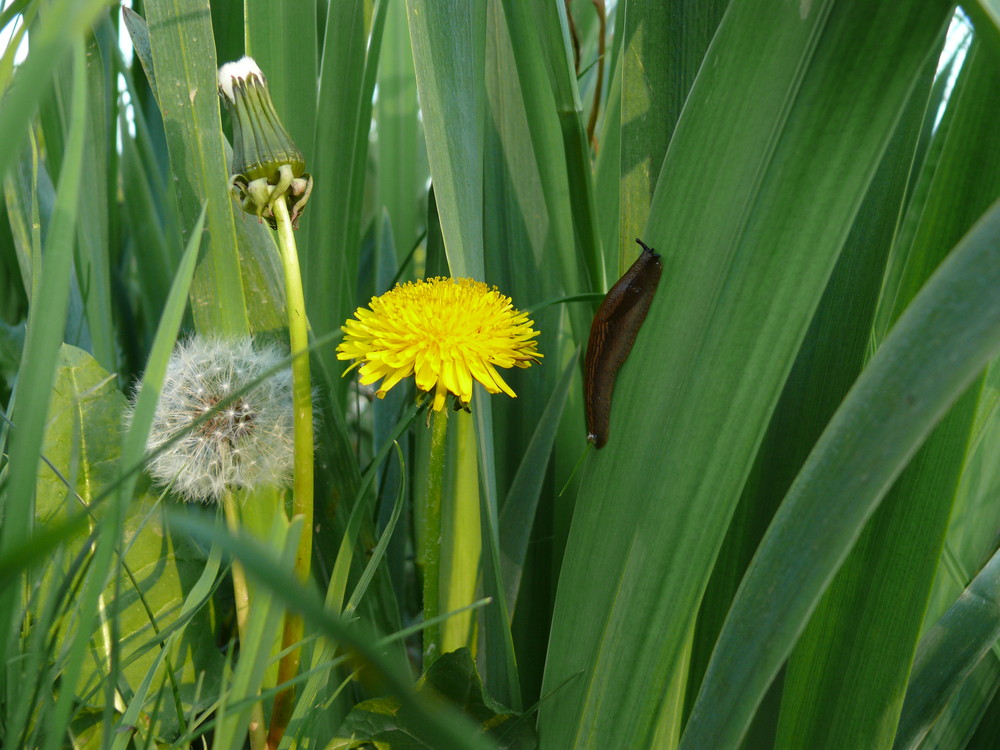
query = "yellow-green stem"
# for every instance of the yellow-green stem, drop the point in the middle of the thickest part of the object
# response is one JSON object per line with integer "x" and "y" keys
{"x": 302, "y": 488}
{"x": 257, "y": 731}
{"x": 432, "y": 537}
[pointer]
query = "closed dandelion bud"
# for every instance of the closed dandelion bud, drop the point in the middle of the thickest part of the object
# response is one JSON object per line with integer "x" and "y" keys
{"x": 244, "y": 443}
{"x": 266, "y": 163}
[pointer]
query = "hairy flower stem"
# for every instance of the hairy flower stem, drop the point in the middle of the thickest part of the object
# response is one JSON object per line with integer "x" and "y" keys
{"x": 432, "y": 537}
{"x": 302, "y": 487}
{"x": 257, "y": 732}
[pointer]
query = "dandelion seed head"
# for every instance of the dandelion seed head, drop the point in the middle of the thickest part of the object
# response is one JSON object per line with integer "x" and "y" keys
{"x": 245, "y": 443}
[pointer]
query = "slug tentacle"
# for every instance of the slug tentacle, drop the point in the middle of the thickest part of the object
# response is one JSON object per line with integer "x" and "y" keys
{"x": 612, "y": 335}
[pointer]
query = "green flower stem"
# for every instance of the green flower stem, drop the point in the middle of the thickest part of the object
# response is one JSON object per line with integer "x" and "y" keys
{"x": 302, "y": 488}
{"x": 432, "y": 537}
{"x": 258, "y": 737}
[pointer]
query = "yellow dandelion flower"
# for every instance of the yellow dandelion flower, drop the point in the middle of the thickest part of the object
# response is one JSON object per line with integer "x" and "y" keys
{"x": 445, "y": 332}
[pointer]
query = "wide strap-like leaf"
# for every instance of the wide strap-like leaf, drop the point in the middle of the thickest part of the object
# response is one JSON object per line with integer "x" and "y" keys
{"x": 760, "y": 185}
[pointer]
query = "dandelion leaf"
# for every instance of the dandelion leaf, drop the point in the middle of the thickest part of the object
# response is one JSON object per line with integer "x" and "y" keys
{"x": 82, "y": 448}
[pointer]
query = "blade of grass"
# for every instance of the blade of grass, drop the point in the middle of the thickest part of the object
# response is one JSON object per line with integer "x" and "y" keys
{"x": 401, "y": 173}
{"x": 180, "y": 35}
{"x": 93, "y": 261}
{"x": 545, "y": 137}
{"x": 552, "y": 24}
{"x": 281, "y": 37}
{"x": 517, "y": 516}
{"x": 62, "y": 23}
{"x": 255, "y": 644}
{"x": 351, "y": 47}
{"x": 324, "y": 655}
{"x": 448, "y": 40}
{"x": 46, "y": 321}
{"x": 440, "y": 726}
{"x": 499, "y": 669}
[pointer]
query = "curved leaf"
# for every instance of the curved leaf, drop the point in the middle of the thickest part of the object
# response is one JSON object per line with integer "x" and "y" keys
{"x": 948, "y": 653}
{"x": 945, "y": 338}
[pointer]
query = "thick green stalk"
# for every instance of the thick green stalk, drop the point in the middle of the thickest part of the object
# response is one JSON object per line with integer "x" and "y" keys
{"x": 302, "y": 488}
{"x": 241, "y": 594}
{"x": 432, "y": 537}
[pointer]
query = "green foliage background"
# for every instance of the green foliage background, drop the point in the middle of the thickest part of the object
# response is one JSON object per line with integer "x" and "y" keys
{"x": 801, "y": 480}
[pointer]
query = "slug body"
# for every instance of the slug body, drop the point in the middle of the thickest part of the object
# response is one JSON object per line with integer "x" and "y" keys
{"x": 612, "y": 334}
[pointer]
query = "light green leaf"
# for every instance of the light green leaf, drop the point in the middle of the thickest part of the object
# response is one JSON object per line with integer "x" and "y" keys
{"x": 180, "y": 34}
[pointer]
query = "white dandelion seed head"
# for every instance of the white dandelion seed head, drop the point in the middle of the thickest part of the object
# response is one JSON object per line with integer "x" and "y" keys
{"x": 240, "y": 70}
{"x": 246, "y": 443}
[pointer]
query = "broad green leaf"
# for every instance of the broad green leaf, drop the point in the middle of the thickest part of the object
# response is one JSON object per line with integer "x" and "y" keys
{"x": 945, "y": 338}
{"x": 82, "y": 446}
{"x": 453, "y": 678}
{"x": 180, "y": 34}
{"x": 259, "y": 265}
{"x": 869, "y": 628}
{"x": 827, "y": 364}
{"x": 654, "y": 88}
{"x": 948, "y": 653}
{"x": 767, "y": 167}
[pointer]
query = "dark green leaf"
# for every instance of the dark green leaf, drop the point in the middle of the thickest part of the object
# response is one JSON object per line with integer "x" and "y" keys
{"x": 453, "y": 678}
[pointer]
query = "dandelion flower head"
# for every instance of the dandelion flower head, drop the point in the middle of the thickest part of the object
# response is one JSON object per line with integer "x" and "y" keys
{"x": 245, "y": 443}
{"x": 446, "y": 332}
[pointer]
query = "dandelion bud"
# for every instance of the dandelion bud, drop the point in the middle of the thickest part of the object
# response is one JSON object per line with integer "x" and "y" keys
{"x": 266, "y": 163}
{"x": 243, "y": 443}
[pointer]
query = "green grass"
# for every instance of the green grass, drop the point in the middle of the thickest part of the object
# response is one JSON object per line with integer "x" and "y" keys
{"x": 789, "y": 540}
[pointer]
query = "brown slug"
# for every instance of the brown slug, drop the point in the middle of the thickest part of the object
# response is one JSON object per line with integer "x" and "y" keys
{"x": 612, "y": 334}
